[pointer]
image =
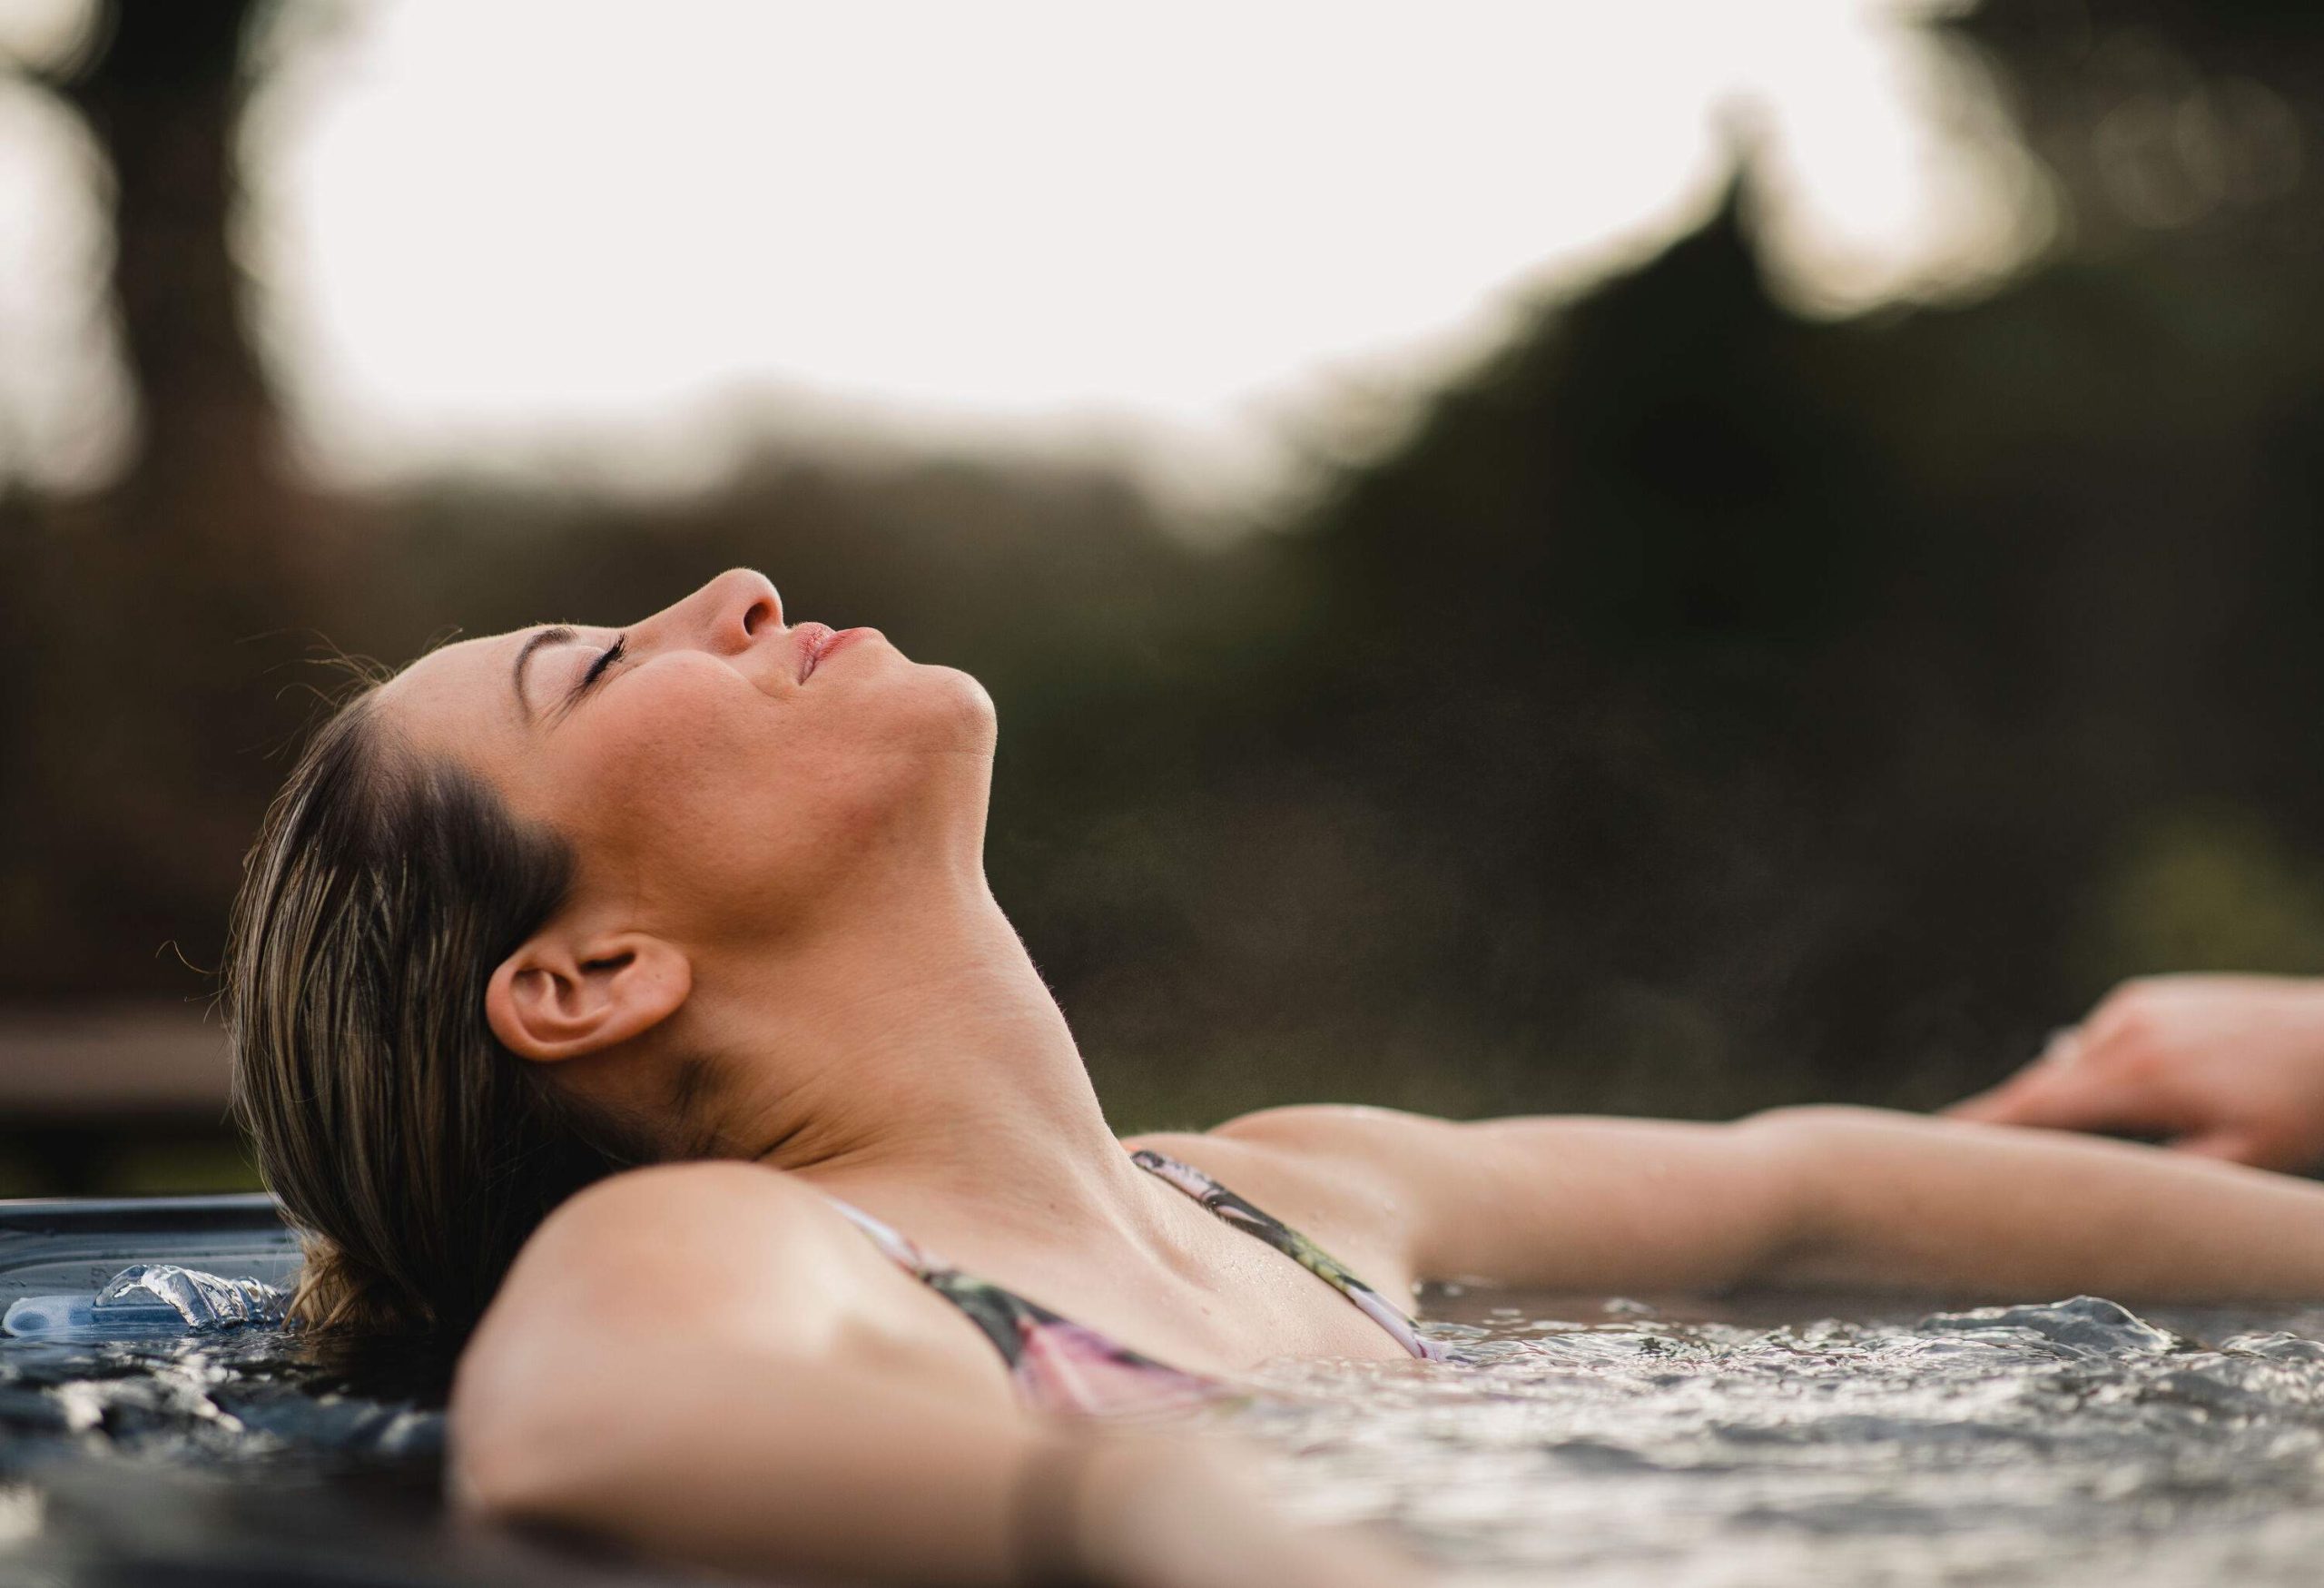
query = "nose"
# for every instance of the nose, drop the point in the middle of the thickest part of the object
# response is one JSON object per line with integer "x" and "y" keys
{"x": 729, "y": 612}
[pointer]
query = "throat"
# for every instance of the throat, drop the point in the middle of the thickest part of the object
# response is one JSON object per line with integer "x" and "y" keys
{"x": 958, "y": 1078}
{"x": 1042, "y": 1171}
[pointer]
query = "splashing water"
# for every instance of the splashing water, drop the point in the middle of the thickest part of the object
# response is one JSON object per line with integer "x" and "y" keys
{"x": 1590, "y": 1444}
{"x": 2061, "y": 1443}
{"x": 148, "y": 1299}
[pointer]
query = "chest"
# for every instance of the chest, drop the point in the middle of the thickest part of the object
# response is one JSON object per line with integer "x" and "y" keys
{"x": 1225, "y": 1294}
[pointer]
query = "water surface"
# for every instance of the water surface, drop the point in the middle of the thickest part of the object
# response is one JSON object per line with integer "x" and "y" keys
{"x": 1762, "y": 1440}
{"x": 1776, "y": 1440}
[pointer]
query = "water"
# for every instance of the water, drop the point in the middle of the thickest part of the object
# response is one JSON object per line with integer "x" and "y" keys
{"x": 154, "y": 1300}
{"x": 246, "y": 1460}
{"x": 1770, "y": 1443}
{"x": 1768, "y": 1440}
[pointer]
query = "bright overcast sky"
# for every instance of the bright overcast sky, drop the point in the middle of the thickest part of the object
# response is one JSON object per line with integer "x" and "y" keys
{"x": 614, "y": 237}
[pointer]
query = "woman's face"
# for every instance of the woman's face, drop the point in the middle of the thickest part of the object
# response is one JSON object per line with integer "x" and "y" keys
{"x": 714, "y": 768}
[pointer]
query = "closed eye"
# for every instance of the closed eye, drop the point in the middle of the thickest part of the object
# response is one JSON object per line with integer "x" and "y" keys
{"x": 605, "y": 658}
{"x": 612, "y": 654}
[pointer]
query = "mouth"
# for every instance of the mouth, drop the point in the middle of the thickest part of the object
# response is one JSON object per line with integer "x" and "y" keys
{"x": 814, "y": 641}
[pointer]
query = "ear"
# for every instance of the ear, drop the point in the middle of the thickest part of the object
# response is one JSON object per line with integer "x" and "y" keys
{"x": 564, "y": 994}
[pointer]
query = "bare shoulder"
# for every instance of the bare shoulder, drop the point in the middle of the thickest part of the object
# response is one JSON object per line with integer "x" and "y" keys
{"x": 731, "y": 1257}
{"x": 710, "y": 1243}
{"x": 677, "y": 1200}
{"x": 1564, "y": 1201}
{"x": 1356, "y": 1131}
{"x": 690, "y": 1226}
{"x": 1337, "y": 1172}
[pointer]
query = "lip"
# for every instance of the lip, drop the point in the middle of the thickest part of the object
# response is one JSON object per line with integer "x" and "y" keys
{"x": 817, "y": 640}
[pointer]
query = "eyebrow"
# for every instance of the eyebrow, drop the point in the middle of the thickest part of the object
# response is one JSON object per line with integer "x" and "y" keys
{"x": 556, "y": 635}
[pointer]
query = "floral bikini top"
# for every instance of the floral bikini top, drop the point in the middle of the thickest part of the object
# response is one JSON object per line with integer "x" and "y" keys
{"x": 1061, "y": 1366}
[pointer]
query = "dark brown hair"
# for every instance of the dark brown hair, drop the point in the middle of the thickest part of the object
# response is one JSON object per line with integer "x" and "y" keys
{"x": 414, "y": 1152}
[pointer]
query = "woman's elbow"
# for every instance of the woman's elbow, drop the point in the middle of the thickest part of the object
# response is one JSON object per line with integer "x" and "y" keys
{"x": 512, "y": 1464}
{"x": 524, "y": 1445}
{"x": 1808, "y": 1155}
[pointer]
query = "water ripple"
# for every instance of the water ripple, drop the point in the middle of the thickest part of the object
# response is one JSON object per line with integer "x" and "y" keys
{"x": 1593, "y": 1444}
{"x": 2068, "y": 1443}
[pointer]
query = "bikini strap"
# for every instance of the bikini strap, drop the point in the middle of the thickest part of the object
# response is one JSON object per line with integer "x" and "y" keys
{"x": 1056, "y": 1364}
{"x": 1251, "y": 1220}
{"x": 899, "y": 1247}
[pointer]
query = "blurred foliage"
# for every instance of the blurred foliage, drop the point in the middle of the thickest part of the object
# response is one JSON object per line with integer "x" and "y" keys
{"x": 2206, "y": 891}
{"x": 1701, "y": 707}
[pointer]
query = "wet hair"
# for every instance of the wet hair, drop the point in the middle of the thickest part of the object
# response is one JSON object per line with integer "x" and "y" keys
{"x": 412, "y": 1150}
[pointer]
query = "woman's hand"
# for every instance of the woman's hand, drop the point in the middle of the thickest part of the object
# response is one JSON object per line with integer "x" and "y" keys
{"x": 2230, "y": 1066}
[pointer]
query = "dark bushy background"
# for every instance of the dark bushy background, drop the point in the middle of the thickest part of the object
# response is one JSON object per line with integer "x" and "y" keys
{"x": 1701, "y": 707}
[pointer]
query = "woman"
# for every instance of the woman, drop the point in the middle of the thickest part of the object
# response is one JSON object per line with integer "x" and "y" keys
{"x": 707, "y": 893}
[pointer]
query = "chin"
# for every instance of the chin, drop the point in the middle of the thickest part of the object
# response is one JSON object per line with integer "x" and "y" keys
{"x": 961, "y": 712}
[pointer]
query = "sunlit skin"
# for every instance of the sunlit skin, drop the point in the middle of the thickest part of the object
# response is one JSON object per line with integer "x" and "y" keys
{"x": 781, "y": 952}
{"x": 754, "y": 852}
{"x": 784, "y": 880}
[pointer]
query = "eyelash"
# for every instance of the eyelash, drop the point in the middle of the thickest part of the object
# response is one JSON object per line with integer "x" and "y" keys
{"x": 610, "y": 654}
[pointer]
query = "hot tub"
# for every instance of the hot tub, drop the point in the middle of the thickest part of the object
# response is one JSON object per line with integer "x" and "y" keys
{"x": 1587, "y": 1442}
{"x": 236, "y": 1455}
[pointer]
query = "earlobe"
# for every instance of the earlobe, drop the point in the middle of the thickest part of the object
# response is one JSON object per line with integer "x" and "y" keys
{"x": 559, "y": 997}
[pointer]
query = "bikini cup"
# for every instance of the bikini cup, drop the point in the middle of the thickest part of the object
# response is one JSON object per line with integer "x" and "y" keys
{"x": 1061, "y": 1365}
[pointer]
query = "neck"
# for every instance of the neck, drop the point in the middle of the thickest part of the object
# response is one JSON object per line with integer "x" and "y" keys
{"x": 908, "y": 1046}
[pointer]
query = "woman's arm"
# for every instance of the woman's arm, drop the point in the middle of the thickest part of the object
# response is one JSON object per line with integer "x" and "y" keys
{"x": 697, "y": 1365}
{"x": 1902, "y": 1200}
{"x": 1816, "y": 1196}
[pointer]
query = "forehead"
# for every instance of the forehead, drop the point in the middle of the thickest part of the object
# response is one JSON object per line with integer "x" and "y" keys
{"x": 459, "y": 698}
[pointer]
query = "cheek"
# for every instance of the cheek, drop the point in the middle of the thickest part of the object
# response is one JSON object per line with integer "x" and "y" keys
{"x": 659, "y": 767}
{"x": 667, "y": 741}
{"x": 703, "y": 788}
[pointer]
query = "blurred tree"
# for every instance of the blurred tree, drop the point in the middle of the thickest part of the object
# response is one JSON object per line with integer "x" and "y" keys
{"x": 157, "y": 606}
{"x": 163, "y": 92}
{"x": 1702, "y": 705}
{"x": 1708, "y": 706}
